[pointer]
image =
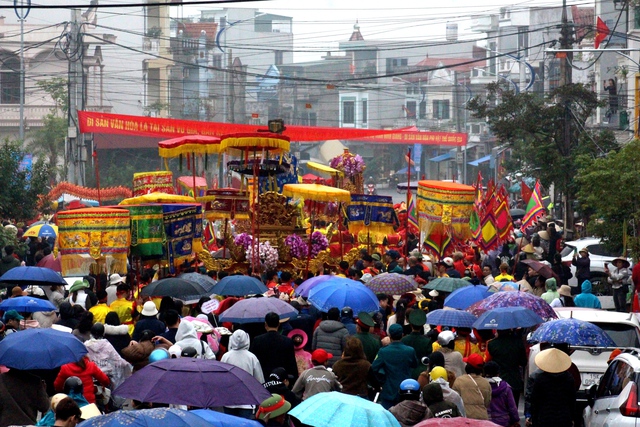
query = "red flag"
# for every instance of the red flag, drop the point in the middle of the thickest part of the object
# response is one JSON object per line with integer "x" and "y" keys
{"x": 526, "y": 192}
{"x": 602, "y": 31}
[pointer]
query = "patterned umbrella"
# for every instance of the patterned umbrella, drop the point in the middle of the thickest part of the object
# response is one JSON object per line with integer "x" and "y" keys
{"x": 306, "y": 286}
{"x": 514, "y": 299}
{"x": 453, "y": 318}
{"x": 392, "y": 284}
{"x": 42, "y": 230}
{"x": 573, "y": 332}
{"x": 446, "y": 284}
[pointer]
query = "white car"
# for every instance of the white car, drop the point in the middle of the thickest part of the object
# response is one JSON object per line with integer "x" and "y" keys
{"x": 614, "y": 401}
{"x": 599, "y": 255}
{"x": 623, "y": 328}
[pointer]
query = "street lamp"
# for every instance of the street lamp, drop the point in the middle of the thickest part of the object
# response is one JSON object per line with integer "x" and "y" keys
{"x": 22, "y": 9}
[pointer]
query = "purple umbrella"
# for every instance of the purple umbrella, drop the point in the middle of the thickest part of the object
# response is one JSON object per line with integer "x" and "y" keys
{"x": 194, "y": 382}
{"x": 514, "y": 299}
{"x": 306, "y": 286}
{"x": 253, "y": 310}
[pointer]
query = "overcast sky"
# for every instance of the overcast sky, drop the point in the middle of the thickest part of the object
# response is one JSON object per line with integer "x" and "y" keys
{"x": 320, "y": 24}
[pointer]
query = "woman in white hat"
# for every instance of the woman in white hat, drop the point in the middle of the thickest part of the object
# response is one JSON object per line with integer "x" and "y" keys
{"x": 619, "y": 278}
{"x": 565, "y": 299}
{"x": 553, "y": 395}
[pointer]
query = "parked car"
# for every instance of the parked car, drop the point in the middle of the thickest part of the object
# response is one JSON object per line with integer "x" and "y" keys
{"x": 624, "y": 330}
{"x": 614, "y": 401}
{"x": 599, "y": 255}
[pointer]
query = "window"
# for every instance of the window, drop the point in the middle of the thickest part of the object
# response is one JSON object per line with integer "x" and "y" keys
{"x": 10, "y": 81}
{"x": 423, "y": 110}
{"x": 216, "y": 61}
{"x": 411, "y": 109}
{"x": 348, "y": 112}
{"x": 615, "y": 379}
{"x": 365, "y": 111}
{"x": 279, "y": 57}
{"x": 441, "y": 109}
{"x": 523, "y": 40}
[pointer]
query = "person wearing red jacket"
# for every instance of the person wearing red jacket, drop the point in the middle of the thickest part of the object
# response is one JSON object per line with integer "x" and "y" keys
{"x": 86, "y": 370}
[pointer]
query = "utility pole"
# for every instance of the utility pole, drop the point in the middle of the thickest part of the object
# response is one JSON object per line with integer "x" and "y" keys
{"x": 22, "y": 9}
{"x": 566, "y": 42}
{"x": 75, "y": 148}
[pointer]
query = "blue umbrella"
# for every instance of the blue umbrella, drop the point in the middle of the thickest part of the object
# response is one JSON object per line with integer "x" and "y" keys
{"x": 453, "y": 318}
{"x": 572, "y": 332}
{"x": 462, "y": 298}
{"x": 239, "y": 286}
{"x": 40, "y": 349}
{"x": 341, "y": 292}
{"x": 219, "y": 419}
{"x": 27, "y": 305}
{"x": 253, "y": 310}
{"x": 25, "y": 276}
{"x": 508, "y": 318}
{"x": 306, "y": 286}
{"x": 334, "y": 409}
{"x": 158, "y": 417}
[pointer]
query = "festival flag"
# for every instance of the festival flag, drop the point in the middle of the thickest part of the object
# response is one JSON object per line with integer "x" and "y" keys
{"x": 602, "y": 31}
{"x": 504, "y": 223}
{"x": 412, "y": 213}
{"x": 525, "y": 191}
{"x": 437, "y": 244}
{"x": 489, "y": 238}
{"x": 535, "y": 209}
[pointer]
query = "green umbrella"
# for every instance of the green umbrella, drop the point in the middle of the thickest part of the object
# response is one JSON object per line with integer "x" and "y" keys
{"x": 446, "y": 284}
{"x": 78, "y": 284}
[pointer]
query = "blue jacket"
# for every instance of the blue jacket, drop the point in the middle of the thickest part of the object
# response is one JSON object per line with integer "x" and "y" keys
{"x": 393, "y": 365}
{"x": 586, "y": 298}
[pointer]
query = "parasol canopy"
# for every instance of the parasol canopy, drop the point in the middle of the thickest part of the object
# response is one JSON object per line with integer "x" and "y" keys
{"x": 255, "y": 141}
{"x": 319, "y": 167}
{"x": 42, "y": 230}
{"x": 317, "y": 192}
{"x": 158, "y": 198}
{"x": 198, "y": 144}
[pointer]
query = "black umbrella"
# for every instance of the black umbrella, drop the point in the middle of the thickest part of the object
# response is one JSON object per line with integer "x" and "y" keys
{"x": 175, "y": 288}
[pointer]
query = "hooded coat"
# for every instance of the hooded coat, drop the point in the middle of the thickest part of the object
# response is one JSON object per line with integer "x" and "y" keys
{"x": 86, "y": 375}
{"x": 503, "y": 409}
{"x": 240, "y": 356}
{"x": 188, "y": 337}
{"x": 451, "y": 395}
{"x": 587, "y": 298}
{"x": 551, "y": 293}
{"x": 331, "y": 336}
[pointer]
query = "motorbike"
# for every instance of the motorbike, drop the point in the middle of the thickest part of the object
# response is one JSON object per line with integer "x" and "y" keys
{"x": 371, "y": 189}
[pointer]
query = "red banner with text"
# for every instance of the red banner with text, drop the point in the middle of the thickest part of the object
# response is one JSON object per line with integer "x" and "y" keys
{"x": 105, "y": 123}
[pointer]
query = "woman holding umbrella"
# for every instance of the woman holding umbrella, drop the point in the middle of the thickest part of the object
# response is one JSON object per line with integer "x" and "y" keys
{"x": 619, "y": 280}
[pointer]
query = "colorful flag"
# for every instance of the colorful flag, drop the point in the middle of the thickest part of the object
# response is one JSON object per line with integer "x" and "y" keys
{"x": 525, "y": 191}
{"x": 602, "y": 31}
{"x": 412, "y": 213}
{"x": 504, "y": 223}
{"x": 535, "y": 209}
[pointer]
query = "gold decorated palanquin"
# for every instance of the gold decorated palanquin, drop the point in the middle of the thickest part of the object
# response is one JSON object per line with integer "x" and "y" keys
{"x": 445, "y": 208}
{"x": 152, "y": 182}
{"x": 94, "y": 236}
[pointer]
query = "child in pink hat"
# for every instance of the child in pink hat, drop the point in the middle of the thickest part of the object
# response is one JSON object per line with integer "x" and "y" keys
{"x": 303, "y": 358}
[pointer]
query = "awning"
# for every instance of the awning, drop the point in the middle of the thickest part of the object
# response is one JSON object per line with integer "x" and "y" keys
{"x": 480, "y": 160}
{"x": 441, "y": 157}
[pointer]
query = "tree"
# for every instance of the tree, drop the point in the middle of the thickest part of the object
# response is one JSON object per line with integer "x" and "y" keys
{"x": 48, "y": 141}
{"x": 534, "y": 128}
{"x": 22, "y": 189}
{"x": 609, "y": 188}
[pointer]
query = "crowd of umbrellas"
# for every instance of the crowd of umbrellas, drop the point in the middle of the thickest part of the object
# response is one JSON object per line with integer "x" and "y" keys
{"x": 211, "y": 384}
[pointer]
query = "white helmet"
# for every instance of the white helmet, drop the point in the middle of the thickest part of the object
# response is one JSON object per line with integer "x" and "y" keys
{"x": 445, "y": 337}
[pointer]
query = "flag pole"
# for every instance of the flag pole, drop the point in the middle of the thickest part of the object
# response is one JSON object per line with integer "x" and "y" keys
{"x": 97, "y": 170}
{"x": 406, "y": 221}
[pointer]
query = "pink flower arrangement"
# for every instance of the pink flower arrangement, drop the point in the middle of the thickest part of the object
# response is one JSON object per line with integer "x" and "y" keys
{"x": 319, "y": 243}
{"x": 244, "y": 240}
{"x": 268, "y": 256}
{"x": 348, "y": 163}
{"x": 297, "y": 246}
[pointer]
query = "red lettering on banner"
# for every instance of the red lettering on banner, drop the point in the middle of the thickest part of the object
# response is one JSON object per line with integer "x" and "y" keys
{"x": 104, "y": 123}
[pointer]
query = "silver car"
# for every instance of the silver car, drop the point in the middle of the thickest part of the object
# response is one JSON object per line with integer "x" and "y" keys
{"x": 614, "y": 402}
